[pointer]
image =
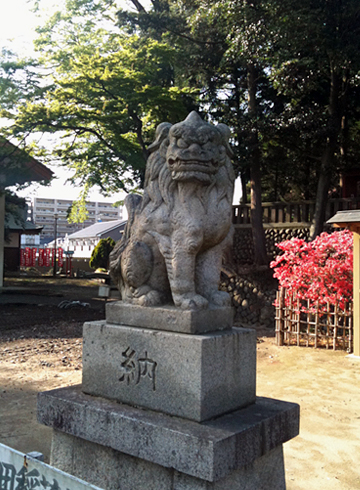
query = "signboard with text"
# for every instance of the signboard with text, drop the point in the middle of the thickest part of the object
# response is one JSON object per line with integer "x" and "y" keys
{"x": 20, "y": 472}
{"x": 41, "y": 261}
{"x": 27, "y": 256}
{"x": 47, "y": 257}
{"x": 30, "y": 257}
{"x": 33, "y": 257}
{"x": 60, "y": 255}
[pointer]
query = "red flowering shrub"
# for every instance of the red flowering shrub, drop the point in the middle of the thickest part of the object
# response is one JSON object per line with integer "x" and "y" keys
{"x": 321, "y": 270}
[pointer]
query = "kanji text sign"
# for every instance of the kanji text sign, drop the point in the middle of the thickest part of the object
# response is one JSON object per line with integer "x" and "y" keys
{"x": 19, "y": 472}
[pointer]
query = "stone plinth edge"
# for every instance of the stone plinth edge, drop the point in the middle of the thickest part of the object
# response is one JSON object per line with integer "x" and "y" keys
{"x": 209, "y": 451}
{"x": 170, "y": 318}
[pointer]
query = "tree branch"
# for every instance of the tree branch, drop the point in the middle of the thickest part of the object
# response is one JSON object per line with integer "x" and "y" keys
{"x": 138, "y": 124}
{"x": 138, "y": 6}
{"x": 83, "y": 129}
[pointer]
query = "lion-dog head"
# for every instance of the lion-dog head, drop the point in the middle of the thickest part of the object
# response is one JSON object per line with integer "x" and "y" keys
{"x": 190, "y": 151}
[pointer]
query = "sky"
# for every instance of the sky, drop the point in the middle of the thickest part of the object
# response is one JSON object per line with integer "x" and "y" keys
{"x": 17, "y": 30}
{"x": 16, "y": 25}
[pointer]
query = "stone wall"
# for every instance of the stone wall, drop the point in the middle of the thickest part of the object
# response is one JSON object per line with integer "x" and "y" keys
{"x": 243, "y": 252}
{"x": 252, "y": 290}
{"x": 253, "y": 295}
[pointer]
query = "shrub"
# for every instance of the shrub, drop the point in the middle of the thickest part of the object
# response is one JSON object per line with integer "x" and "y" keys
{"x": 100, "y": 255}
{"x": 321, "y": 270}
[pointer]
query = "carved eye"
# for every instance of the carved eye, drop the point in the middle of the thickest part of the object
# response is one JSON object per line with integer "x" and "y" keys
{"x": 182, "y": 143}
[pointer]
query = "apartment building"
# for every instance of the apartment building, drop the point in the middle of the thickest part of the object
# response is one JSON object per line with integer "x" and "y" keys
{"x": 46, "y": 212}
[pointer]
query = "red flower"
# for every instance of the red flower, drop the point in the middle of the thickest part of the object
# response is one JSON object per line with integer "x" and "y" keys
{"x": 321, "y": 271}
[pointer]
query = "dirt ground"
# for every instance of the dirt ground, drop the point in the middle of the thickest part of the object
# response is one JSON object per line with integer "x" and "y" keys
{"x": 41, "y": 347}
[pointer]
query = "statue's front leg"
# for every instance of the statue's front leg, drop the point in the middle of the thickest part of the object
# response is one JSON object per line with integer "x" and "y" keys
{"x": 181, "y": 272}
{"x": 208, "y": 269}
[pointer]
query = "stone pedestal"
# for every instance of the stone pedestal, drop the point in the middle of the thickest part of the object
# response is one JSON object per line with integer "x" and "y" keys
{"x": 169, "y": 318}
{"x": 107, "y": 443}
{"x": 192, "y": 376}
{"x": 168, "y": 410}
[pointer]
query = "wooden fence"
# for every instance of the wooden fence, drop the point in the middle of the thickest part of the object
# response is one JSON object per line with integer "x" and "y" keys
{"x": 298, "y": 324}
{"x": 292, "y": 212}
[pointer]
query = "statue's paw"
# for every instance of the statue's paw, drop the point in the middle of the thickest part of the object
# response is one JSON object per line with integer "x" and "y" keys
{"x": 191, "y": 302}
{"x": 220, "y": 298}
{"x": 152, "y": 298}
{"x": 141, "y": 291}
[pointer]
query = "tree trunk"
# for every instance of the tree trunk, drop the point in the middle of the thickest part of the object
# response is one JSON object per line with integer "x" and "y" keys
{"x": 244, "y": 199}
{"x": 317, "y": 226}
{"x": 336, "y": 107}
{"x": 260, "y": 255}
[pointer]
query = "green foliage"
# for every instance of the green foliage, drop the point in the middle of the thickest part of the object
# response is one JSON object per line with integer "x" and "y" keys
{"x": 18, "y": 81}
{"x": 283, "y": 74}
{"x": 14, "y": 206}
{"x": 100, "y": 91}
{"x": 316, "y": 67}
{"x": 316, "y": 53}
{"x": 100, "y": 255}
{"x": 15, "y": 211}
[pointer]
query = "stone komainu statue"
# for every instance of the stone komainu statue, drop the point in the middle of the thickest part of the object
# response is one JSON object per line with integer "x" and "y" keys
{"x": 177, "y": 232}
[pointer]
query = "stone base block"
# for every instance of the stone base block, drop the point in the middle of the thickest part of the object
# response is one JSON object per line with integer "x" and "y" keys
{"x": 170, "y": 318}
{"x": 112, "y": 470}
{"x": 197, "y": 377}
{"x": 117, "y": 446}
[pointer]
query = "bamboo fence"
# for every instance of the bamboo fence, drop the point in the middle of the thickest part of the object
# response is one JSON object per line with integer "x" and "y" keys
{"x": 300, "y": 323}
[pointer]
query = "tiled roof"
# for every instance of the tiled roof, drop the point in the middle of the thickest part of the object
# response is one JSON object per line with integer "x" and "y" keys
{"x": 17, "y": 167}
{"x": 351, "y": 216}
{"x": 97, "y": 229}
